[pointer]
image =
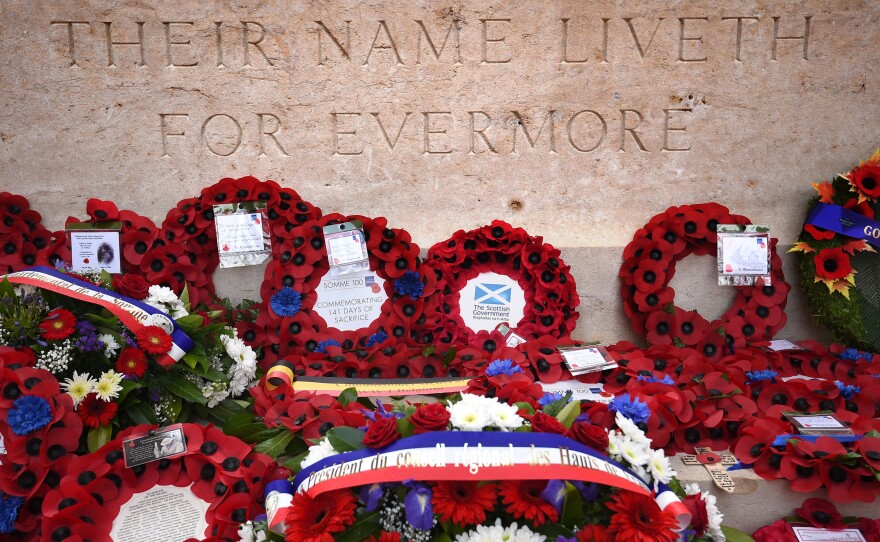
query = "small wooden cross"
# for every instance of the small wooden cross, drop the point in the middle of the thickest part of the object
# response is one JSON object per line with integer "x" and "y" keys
{"x": 714, "y": 463}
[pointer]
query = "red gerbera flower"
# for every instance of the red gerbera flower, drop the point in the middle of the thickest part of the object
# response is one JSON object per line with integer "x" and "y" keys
{"x": 153, "y": 340}
{"x": 523, "y": 500}
{"x": 96, "y": 412}
{"x": 832, "y": 263}
{"x": 315, "y": 519}
{"x": 58, "y": 324}
{"x": 463, "y": 503}
{"x": 132, "y": 362}
{"x": 385, "y": 536}
{"x": 593, "y": 533}
{"x": 637, "y": 518}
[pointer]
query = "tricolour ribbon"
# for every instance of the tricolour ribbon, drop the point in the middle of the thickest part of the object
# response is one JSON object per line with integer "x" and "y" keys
{"x": 841, "y": 220}
{"x": 134, "y": 314}
{"x": 473, "y": 456}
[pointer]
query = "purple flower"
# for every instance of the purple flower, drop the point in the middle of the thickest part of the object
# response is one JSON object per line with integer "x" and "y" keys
{"x": 417, "y": 504}
{"x": 371, "y": 495}
{"x": 554, "y": 493}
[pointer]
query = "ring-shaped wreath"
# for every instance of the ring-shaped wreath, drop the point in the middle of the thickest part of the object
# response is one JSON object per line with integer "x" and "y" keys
{"x": 219, "y": 469}
{"x": 295, "y": 329}
{"x": 550, "y": 292}
{"x": 756, "y": 313}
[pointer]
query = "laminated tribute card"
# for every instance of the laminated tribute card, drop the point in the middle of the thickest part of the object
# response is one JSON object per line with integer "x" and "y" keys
{"x": 743, "y": 255}
{"x": 242, "y": 233}
{"x": 94, "y": 246}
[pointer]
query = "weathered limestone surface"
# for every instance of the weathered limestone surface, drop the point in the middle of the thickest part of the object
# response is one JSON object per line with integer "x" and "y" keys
{"x": 578, "y": 120}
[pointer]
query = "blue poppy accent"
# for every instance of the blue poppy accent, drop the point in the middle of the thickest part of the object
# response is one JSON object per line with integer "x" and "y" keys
{"x": 28, "y": 414}
{"x": 652, "y": 379}
{"x": 631, "y": 407}
{"x": 286, "y": 302}
{"x": 376, "y": 338}
{"x": 502, "y": 366}
{"x": 410, "y": 283}
{"x": 757, "y": 376}
{"x": 323, "y": 345}
{"x": 9, "y": 506}
{"x": 846, "y": 390}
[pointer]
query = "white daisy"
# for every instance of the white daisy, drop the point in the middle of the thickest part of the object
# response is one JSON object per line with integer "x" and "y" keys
{"x": 318, "y": 452}
{"x": 659, "y": 467}
{"x": 108, "y": 387}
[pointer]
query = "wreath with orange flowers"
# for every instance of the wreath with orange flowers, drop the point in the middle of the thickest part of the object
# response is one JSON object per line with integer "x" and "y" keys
{"x": 840, "y": 272}
{"x": 756, "y": 314}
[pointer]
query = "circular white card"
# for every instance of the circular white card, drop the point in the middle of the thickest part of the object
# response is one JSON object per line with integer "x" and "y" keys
{"x": 490, "y": 299}
{"x": 350, "y": 302}
{"x": 161, "y": 514}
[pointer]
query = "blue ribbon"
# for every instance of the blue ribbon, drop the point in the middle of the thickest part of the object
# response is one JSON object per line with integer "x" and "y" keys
{"x": 460, "y": 438}
{"x": 843, "y": 221}
{"x": 782, "y": 440}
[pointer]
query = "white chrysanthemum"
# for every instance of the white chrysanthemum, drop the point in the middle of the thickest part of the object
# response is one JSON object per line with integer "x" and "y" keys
{"x": 162, "y": 294}
{"x": 78, "y": 386}
{"x": 631, "y": 430}
{"x": 112, "y": 376}
{"x": 110, "y": 344}
{"x": 178, "y": 311}
{"x": 468, "y": 416}
{"x": 659, "y": 467}
{"x": 238, "y": 350}
{"x": 504, "y": 416}
{"x": 496, "y": 533}
{"x": 318, "y": 452}
{"x": 633, "y": 452}
{"x": 615, "y": 442}
{"x": 107, "y": 388}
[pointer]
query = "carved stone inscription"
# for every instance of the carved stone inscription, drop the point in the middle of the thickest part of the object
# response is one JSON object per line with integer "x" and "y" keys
{"x": 577, "y": 120}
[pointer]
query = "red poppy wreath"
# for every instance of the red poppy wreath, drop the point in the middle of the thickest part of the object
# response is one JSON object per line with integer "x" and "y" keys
{"x": 217, "y": 469}
{"x": 649, "y": 260}
{"x": 546, "y": 282}
{"x": 294, "y": 313}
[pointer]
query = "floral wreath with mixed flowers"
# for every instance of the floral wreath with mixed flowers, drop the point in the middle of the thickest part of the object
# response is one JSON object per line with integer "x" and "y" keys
{"x": 829, "y": 263}
{"x": 116, "y": 377}
{"x": 756, "y": 314}
{"x": 529, "y": 510}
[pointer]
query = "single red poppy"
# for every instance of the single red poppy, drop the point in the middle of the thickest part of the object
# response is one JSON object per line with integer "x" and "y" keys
{"x": 832, "y": 264}
{"x": 866, "y": 180}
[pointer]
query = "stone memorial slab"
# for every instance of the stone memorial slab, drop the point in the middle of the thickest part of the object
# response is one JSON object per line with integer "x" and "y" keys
{"x": 577, "y": 120}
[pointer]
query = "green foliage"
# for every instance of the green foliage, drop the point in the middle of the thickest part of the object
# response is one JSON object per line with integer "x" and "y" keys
{"x": 568, "y": 414}
{"x": 348, "y": 395}
{"x": 274, "y": 446}
{"x": 183, "y": 388}
{"x": 346, "y": 439}
{"x": 99, "y": 436}
{"x": 554, "y": 408}
{"x": 572, "y": 507}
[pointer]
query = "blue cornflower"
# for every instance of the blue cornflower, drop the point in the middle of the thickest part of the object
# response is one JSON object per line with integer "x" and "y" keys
{"x": 28, "y": 414}
{"x": 651, "y": 379}
{"x": 846, "y": 390}
{"x": 551, "y": 397}
{"x": 323, "y": 345}
{"x": 286, "y": 302}
{"x": 554, "y": 494}
{"x": 376, "y": 338}
{"x": 417, "y": 503}
{"x": 502, "y": 366}
{"x": 851, "y": 354}
{"x": 631, "y": 407}
{"x": 9, "y": 506}
{"x": 757, "y": 376}
{"x": 410, "y": 284}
